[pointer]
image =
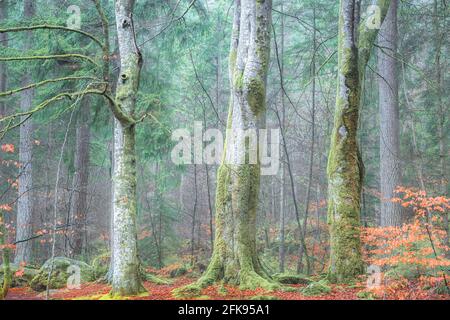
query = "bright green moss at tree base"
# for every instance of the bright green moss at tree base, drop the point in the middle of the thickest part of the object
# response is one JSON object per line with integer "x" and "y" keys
{"x": 317, "y": 288}
{"x": 235, "y": 260}
{"x": 236, "y": 265}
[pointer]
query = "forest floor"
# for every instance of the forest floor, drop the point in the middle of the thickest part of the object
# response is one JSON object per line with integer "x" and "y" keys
{"x": 95, "y": 291}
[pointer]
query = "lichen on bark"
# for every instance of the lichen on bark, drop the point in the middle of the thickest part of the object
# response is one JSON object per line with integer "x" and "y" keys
{"x": 235, "y": 259}
{"x": 126, "y": 279}
{"x": 345, "y": 169}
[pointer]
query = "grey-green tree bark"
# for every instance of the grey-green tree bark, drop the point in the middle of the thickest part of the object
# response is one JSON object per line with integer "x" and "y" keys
{"x": 78, "y": 210}
{"x": 282, "y": 213}
{"x": 234, "y": 258}
{"x": 345, "y": 168}
{"x": 442, "y": 114}
{"x": 25, "y": 201}
{"x": 313, "y": 140}
{"x": 390, "y": 171}
{"x": 125, "y": 276}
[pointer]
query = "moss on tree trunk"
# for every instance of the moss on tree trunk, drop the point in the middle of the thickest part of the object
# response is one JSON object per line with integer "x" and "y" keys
{"x": 126, "y": 279}
{"x": 345, "y": 169}
{"x": 235, "y": 260}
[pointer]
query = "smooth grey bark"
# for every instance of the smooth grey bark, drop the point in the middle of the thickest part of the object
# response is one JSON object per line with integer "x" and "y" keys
{"x": 234, "y": 258}
{"x": 78, "y": 206}
{"x": 313, "y": 138}
{"x": 208, "y": 191}
{"x": 390, "y": 170}
{"x": 443, "y": 117}
{"x": 25, "y": 201}
{"x": 125, "y": 276}
{"x": 7, "y": 276}
{"x": 282, "y": 249}
{"x": 194, "y": 217}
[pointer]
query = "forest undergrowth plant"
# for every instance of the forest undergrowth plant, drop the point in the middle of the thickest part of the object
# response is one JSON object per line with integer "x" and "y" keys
{"x": 412, "y": 257}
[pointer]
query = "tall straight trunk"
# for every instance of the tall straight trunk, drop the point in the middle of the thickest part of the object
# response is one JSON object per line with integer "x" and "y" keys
{"x": 390, "y": 175}
{"x": 7, "y": 276}
{"x": 194, "y": 216}
{"x": 442, "y": 114}
{"x": 313, "y": 138}
{"x": 25, "y": 201}
{"x": 78, "y": 210}
{"x": 126, "y": 276}
{"x": 6, "y": 268}
{"x": 345, "y": 169}
{"x": 235, "y": 259}
{"x": 282, "y": 249}
{"x": 208, "y": 191}
{"x": 3, "y": 43}
{"x": 282, "y": 222}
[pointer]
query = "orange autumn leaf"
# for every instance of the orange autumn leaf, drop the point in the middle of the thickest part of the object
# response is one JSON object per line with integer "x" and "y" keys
{"x": 8, "y": 148}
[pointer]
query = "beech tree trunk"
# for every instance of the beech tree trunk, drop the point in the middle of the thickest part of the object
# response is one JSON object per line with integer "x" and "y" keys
{"x": 345, "y": 168}
{"x": 390, "y": 175}
{"x": 234, "y": 258}
{"x": 126, "y": 277}
{"x": 443, "y": 118}
{"x": 282, "y": 235}
{"x": 25, "y": 201}
{"x": 80, "y": 181}
{"x": 311, "y": 154}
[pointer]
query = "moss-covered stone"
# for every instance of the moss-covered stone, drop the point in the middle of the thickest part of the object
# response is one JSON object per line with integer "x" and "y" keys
{"x": 60, "y": 274}
{"x": 189, "y": 291}
{"x": 287, "y": 278}
{"x": 24, "y": 280}
{"x": 317, "y": 288}
{"x": 100, "y": 265}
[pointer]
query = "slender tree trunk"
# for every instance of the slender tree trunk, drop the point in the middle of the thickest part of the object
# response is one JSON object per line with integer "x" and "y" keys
{"x": 81, "y": 178}
{"x": 3, "y": 238}
{"x": 126, "y": 276}
{"x": 313, "y": 138}
{"x": 194, "y": 216}
{"x": 25, "y": 201}
{"x": 235, "y": 258}
{"x": 157, "y": 233}
{"x": 345, "y": 168}
{"x": 282, "y": 251}
{"x": 390, "y": 175}
{"x": 282, "y": 247}
{"x": 442, "y": 113}
{"x": 208, "y": 191}
{"x": 109, "y": 275}
{"x": 7, "y": 276}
